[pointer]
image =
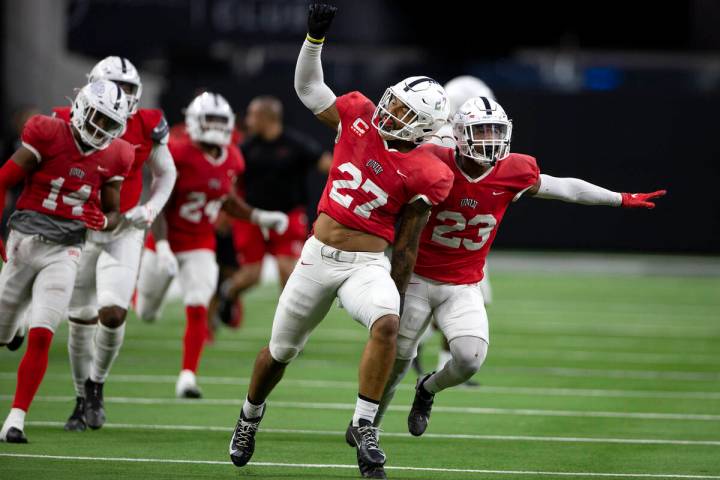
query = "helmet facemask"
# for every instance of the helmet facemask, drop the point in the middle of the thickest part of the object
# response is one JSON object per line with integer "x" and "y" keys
{"x": 485, "y": 143}
{"x": 215, "y": 129}
{"x": 97, "y": 124}
{"x": 394, "y": 118}
{"x": 132, "y": 93}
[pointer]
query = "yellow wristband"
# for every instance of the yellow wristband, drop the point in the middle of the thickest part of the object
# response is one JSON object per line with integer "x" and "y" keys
{"x": 314, "y": 40}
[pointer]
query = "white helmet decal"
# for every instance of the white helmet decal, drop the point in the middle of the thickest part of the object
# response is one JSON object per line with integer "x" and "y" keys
{"x": 482, "y": 130}
{"x": 423, "y": 108}
{"x": 122, "y": 71}
{"x": 210, "y": 119}
{"x": 99, "y": 113}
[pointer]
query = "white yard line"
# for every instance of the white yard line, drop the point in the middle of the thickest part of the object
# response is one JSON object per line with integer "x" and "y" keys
{"x": 452, "y": 436}
{"x": 349, "y": 407}
{"x": 343, "y": 466}
{"x": 308, "y": 383}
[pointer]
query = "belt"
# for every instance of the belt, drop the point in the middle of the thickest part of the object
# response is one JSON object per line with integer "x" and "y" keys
{"x": 338, "y": 255}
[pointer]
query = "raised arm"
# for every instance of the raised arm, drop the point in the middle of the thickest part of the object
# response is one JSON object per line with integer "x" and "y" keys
{"x": 309, "y": 82}
{"x": 574, "y": 190}
{"x": 407, "y": 240}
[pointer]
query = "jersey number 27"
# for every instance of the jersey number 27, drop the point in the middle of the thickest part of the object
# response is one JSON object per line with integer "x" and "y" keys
{"x": 363, "y": 210}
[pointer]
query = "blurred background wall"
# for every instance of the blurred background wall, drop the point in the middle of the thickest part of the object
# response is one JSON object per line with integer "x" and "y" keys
{"x": 621, "y": 94}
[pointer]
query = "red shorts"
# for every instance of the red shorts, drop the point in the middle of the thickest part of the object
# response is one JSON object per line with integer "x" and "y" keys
{"x": 251, "y": 246}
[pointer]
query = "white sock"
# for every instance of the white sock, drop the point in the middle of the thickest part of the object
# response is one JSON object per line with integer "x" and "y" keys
{"x": 251, "y": 410}
{"x": 16, "y": 418}
{"x": 364, "y": 409}
{"x": 444, "y": 356}
{"x": 107, "y": 346}
{"x": 80, "y": 350}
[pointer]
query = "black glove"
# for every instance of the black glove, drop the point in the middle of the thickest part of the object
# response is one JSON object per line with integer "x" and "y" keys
{"x": 320, "y": 16}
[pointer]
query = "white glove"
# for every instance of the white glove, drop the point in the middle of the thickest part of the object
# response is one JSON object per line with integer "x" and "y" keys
{"x": 273, "y": 220}
{"x": 166, "y": 258}
{"x": 141, "y": 216}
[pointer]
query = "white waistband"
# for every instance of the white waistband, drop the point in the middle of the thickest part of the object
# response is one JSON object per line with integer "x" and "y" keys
{"x": 342, "y": 256}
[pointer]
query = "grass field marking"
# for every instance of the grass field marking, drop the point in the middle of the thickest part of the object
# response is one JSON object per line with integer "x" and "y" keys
{"x": 451, "y": 436}
{"x": 350, "y": 406}
{"x": 342, "y": 466}
{"x": 309, "y": 383}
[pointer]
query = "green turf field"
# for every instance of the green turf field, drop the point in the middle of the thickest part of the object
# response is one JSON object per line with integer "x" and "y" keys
{"x": 587, "y": 377}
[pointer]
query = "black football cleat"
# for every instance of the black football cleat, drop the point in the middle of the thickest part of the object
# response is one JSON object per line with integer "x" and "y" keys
{"x": 242, "y": 443}
{"x": 364, "y": 438}
{"x": 77, "y": 421}
{"x": 370, "y": 471}
{"x": 419, "y": 416}
{"x": 15, "y": 435}
{"x": 94, "y": 404}
{"x": 16, "y": 342}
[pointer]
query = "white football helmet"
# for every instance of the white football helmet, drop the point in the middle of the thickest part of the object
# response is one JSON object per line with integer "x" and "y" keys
{"x": 427, "y": 110}
{"x": 119, "y": 69}
{"x": 99, "y": 113}
{"x": 482, "y": 130}
{"x": 464, "y": 87}
{"x": 210, "y": 119}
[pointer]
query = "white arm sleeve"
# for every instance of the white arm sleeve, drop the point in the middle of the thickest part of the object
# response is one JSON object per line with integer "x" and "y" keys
{"x": 309, "y": 83}
{"x": 574, "y": 190}
{"x": 164, "y": 174}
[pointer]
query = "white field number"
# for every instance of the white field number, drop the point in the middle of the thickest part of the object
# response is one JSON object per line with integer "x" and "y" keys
{"x": 364, "y": 210}
{"x": 442, "y": 234}
{"x": 75, "y": 199}
{"x": 197, "y": 205}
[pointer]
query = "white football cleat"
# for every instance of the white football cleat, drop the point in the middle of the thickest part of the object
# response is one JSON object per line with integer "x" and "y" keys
{"x": 186, "y": 386}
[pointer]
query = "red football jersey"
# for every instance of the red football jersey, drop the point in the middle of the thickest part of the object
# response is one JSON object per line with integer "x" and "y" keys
{"x": 368, "y": 183}
{"x": 66, "y": 179}
{"x": 144, "y": 128}
{"x": 458, "y": 236}
{"x": 202, "y": 185}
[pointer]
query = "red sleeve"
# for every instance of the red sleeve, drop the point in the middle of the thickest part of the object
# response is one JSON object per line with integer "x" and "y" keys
{"x": 154, "y": 124}
{"x": 124, "y": 158}
{"x": 63, "y": 113}
{"x": 354, "y": 104}
{"x": 525, "y": 171}
{"x": 239, "y": 160}
{"x": 38, "y": 133}
{"x": 433, "y": 182}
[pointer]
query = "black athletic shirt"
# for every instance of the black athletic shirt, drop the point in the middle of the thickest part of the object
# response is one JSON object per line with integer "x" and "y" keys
{"x": 275, "y": 171}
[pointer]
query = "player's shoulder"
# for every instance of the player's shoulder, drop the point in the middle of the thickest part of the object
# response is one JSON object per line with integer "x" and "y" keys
{"x": 62, "y": 113}
{"x": 430, "y": 172}
{"x": 355, "y": 102}
{"x": 121, "y": 147}
{"x": 235, "y": 156}
{"x": 42, "y": 128}
{"x": 519, "y": 163}
{"x": 154, "y": 124}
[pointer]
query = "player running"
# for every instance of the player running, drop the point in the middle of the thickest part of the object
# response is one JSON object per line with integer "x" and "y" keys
{"x": 457, "y": 239}
{"x": 379, "y": 175}
{"x": 110, "y": 261}
{"x": 73, "y": 172}
{"x": 183, "y": 239}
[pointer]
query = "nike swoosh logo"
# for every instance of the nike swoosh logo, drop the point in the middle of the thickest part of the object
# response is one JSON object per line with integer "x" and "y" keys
{"x": 495, "y": 194}
{"x": 401, "y": 174}
{"x": 303, "y": 263}
{"x": 102, "y": 169}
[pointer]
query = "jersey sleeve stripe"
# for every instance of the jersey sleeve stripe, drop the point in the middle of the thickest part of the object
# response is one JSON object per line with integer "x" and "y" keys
{"x": 422, "y": 197}
{"x": 521, "y": 192}
{"x": 33, "y": 150}
{"x": 116, "y": 178}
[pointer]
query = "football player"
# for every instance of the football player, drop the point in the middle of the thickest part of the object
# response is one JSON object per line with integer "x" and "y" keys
{"x": 379, "y": 174}
{"x": 183, "y": 240}
{"x": 73, "y": 172}
{"x": 110, "y": 261}
{"x": 457, "y": 239}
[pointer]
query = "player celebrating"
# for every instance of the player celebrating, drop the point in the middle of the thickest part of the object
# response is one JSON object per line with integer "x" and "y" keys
{"x": 456, "y": 241}
{"x": 110, "y": 261}
{"x": 184, "y": 235}
{"x": 378, "y": 175}
{"x": 72, "y": 173}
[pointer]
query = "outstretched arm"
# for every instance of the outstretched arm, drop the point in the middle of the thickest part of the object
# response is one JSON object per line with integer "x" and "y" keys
{"x": 164, "y": 175}
{"x": 406, "y": 244}
{"x": 239, "y": 208}
{"x": 309, "y": 81}
{"x": 574, "y": 190}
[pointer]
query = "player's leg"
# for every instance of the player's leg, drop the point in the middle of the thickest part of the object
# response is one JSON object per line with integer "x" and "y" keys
{"x": 82, "y": 325}
{"x": 416, "y": 317}
{"x": 51, "y": 292}
{"x": 198, "y": 278}
{"x": 152, "y": 286}
{"x": 460, "y": 314}
{"x": 304, "y": 302}
{"x": 117, "y": 269}
{"x": 369, "y": 295}
{"x": 16, "y": 280}
{"x": 286, "y": 248}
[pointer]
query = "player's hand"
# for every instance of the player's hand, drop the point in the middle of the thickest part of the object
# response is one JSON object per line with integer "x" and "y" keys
{"x": 141, "y": 216}
{"x": 640, "y": 200}
{"x": 166, "y": 258}
{"x": 94, "y": 219}
{"x": 273, "y": 220}
{"x": 320, "y": 16}
{"x": 2, "y": 251}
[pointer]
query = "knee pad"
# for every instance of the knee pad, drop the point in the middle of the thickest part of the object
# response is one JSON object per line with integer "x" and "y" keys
{"x": 406, "y": 348}
{"x": 283, "y": 353}
{"x": 468, "y": 354}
